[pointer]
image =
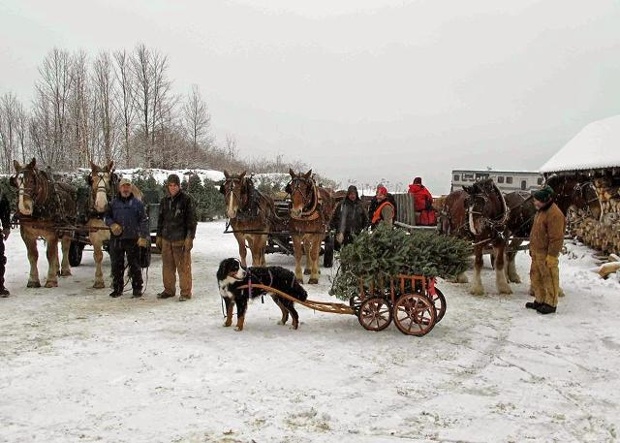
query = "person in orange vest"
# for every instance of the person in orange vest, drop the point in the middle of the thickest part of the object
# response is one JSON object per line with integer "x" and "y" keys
{"x": 422, "y": 203}
{"x": 384, "y": 213}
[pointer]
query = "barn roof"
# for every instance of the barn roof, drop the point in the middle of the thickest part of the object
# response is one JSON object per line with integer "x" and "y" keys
{"x": 596, "y": 146}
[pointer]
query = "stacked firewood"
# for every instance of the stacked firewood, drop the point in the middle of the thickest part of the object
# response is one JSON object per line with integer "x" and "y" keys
{"x": 604, "y": 234}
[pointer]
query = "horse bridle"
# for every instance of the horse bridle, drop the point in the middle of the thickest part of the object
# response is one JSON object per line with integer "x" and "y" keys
{"x": 106, "y": 188}
{"x": 232, "y": 184}
{"x": 308, "y": 198}
{"x": 498, "y": 224}
{"x": 25, "y": 191}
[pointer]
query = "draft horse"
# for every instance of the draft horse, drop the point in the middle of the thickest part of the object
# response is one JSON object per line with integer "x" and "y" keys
{"x": 251, "y": 215}
{"x": 453, "y": 221}
{"x": 487, "y": 215}
{"x": 103, "y": 182}
{"x": 571, "y": 193}
{"x": 312, "y": 208}
{"x": 46, "y": 209}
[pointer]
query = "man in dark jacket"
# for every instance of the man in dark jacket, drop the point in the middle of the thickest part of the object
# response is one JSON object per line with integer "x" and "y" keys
{"x": 176, "y": 229}
{"x": 350, "y": 218}
{"x": 5, "y": 218}
{"x": 127, "y": 220}
{"x": 546, "y": 240}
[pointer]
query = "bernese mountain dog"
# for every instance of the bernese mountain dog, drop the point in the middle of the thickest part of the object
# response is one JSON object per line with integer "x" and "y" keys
{"x": 231, "y": 276}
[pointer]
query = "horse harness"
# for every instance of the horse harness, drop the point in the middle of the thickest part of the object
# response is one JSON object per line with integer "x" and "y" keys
{"x": 44, "y": 182}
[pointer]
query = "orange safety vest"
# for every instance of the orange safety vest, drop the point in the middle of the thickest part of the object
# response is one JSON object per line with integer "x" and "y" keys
{"x": 377, "y": 214}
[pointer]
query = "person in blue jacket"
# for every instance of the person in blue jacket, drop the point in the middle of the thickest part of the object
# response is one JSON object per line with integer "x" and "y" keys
{"x": 128, "y": 224}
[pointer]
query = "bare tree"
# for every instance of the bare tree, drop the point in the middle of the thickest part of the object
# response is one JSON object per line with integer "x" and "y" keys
{"x": 196, "y": 122}
{"x": 124, "y": 101}
{"x": 49, "y": 129}
{"x": 104, "y": 86}
{"x": 153, "y": 99}
{"x": 11, "y": 111}
{"x": 80, "y": 104}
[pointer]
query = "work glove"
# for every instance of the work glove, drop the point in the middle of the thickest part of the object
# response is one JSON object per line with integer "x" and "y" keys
{"x": 189, "y": 243}
{"x": 116, "y": 229}
{"x": 143, "y": 242}
{"x": 6, "y": 232}
{"x": 340, "y": 237}
{"x": 551, "y": 261}
{"x": 158, "y": 242}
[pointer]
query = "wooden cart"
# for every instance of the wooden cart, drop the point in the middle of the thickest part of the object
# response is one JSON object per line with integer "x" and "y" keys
{"x": 411, "y": 301}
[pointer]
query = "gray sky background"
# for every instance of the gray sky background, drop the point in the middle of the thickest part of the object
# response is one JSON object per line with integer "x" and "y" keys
{"x": 360, "y": 90}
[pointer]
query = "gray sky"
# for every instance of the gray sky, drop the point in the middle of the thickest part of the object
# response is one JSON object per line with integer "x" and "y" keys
{"x": 361, "y": 90}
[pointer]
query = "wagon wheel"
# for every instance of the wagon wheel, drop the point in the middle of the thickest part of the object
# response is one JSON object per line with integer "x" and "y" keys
{"x": 414, "y": 314}
{"x": 375, "y": 314}
{"x": 439, "y": 301}
{"x": 75, "y": 253}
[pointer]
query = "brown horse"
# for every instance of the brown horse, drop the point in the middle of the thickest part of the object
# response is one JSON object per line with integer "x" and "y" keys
{"x": 571, "y": 193}
{"x": 487, "y": 215}
{"x": 251, "y": 215}
{"x": 45, "y": 209}
{"x": 453, "y": 221}
{"x": 311, "y": 211}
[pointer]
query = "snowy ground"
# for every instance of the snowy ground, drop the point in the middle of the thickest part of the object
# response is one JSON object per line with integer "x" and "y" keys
{"x": 77, "y": 365}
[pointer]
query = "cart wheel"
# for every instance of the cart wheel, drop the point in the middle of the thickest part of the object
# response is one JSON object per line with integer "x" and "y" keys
{"x": 75, "y": 253}
{"x": 440, "y": 304}
{"x": 414, "y": 314}
{"x": 375, "y": 314}
{"x": 328, "y": 254}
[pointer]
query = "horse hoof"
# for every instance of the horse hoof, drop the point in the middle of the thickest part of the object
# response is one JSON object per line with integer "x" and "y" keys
{"x": 477, "y": 291}
{"x": 51, "y": 284}
{"x": 99, "y": 285}
{"x": 505, "y": 291}
{"x": 313, "y": 281}
{"x": 516, "y": 280}
{"x": 33, "y": 284}
{"x": 65, "y": 273}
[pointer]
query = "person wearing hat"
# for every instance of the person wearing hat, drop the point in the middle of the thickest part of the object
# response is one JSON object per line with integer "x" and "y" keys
{"x": 176, "y": 229}
{"x": 349, "y": 218}
{"x": 546, "y": 239}
{"x": 422, "y": 203}
{"x": 128, "y": 224}
{"x": 385, "y": 210}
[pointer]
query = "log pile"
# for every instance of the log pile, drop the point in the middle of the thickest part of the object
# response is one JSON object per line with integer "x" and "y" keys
{"x": 604, "y": 234}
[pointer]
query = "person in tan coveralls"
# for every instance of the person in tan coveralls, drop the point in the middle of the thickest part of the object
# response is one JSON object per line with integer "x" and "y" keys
{"x": 176, "y": 229}
{"x": 546, "y": 239}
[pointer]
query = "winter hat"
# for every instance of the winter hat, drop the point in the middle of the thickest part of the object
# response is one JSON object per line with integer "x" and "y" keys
{"x": 352, "y": 189}
{"x": 173, "y": 178}
{"x": 544, "y": 194}
{"x": 124, "y": 181}
{"x": 417, "y": 181}
{"x": 381, "y": 190}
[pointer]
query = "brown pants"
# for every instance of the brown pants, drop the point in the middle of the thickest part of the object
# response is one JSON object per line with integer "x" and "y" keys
{"x": 175, "y": 259}
{"x": 545, "y": 280}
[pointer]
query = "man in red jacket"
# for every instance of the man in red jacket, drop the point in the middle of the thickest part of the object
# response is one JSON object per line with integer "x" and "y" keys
{"x": 422, "y": 203}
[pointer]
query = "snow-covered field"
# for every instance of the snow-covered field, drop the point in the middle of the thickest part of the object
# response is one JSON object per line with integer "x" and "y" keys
{"x": 77, "y": 365}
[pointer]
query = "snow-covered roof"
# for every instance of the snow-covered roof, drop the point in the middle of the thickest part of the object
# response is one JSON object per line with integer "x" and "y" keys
{"x": 595, "y": 146}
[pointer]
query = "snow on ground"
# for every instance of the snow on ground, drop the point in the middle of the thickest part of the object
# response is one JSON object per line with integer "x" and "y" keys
{"x": 77, "y": 365}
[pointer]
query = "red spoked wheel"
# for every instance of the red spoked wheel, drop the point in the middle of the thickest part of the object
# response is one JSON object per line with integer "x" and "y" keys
{"x": 414, "y": 314}
{"x": 375, "y": 314}
{"x": 439, "y": 301}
